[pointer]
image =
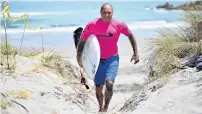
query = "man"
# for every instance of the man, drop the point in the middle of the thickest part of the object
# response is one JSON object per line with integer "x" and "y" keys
{"x": 107, "y": 30}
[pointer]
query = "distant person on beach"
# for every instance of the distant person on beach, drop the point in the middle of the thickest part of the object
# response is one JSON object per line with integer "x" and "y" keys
{"x": 107, "y": 30}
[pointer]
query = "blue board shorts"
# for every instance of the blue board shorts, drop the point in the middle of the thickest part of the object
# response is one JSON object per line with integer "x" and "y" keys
{"x": 107, "y": 68}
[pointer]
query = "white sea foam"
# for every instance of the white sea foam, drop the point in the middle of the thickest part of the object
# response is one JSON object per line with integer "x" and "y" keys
{"x": 155, "y": 24}
{"x": 160, "y": 10}
{"x": 17, "y": 14}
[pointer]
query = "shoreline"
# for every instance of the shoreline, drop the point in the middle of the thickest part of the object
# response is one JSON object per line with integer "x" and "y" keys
{"x": 136, "y": 25}
{"x": 62, "y": 39}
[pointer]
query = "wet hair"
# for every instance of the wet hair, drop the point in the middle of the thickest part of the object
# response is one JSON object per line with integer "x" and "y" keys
{"x": 105, "y": 4}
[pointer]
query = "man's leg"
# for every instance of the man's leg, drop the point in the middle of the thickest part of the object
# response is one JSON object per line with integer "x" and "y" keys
{"x": 111, "y": 73}
{"x": 99, "y": 96}
{"x": 99, "y": 82}
{"x": 108, "y": 93}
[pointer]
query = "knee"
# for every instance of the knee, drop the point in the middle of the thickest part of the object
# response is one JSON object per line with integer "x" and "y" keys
{"x": 109, "y": 85}
{"x": 98, "y": 85}
{"x": 99, "y": 88}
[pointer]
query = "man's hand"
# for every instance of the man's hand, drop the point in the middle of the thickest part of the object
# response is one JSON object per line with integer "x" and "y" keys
{"x": 80, "y": 63}
{"x": 83, "y": 81}
{"x": 135, "y": 57}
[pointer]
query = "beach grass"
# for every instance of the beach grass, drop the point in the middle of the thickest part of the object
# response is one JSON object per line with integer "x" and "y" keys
{"x": 4, "y": 102}
{"x": 30, "y": 53}
{"x": 49, "y": 60}
{"x": 171, "y": 46}
{"x": 7, "y": 50}
{"x": 54, "y": 61}
{"x": 8, "y": 56}
{"x": 18, "y": 94}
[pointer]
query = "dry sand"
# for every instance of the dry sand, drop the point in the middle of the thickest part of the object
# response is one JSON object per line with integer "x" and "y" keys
{"x": 130, "y": 77}
{"x": 50, "y": 94}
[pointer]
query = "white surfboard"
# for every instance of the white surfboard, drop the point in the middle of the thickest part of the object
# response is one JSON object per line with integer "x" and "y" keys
{"x": 91, "y": 56}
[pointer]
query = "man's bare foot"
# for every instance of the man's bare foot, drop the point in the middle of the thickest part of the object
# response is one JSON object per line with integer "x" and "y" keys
{"x": 101, "y": 110}
{"x": 105, "y": 109}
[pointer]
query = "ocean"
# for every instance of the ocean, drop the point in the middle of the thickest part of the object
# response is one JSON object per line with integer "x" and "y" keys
{"x": 60, "y": 18}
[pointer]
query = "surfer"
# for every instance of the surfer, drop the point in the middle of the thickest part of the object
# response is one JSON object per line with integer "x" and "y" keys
{"x": 107, "y": 30}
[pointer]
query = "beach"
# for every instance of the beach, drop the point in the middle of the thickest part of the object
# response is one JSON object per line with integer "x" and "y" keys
{"x": 130, "y": 78}
{"x": 44, "y": 87}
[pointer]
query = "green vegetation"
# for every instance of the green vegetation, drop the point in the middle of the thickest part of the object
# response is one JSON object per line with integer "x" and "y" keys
{"x": 30, "y": 53}
{"x": 8, "y": 56}
{"x": 10, "y": 49}
{"x": 4, "y": 102}
{"x": 59, "y": 64}
{"x": 49, "y": 60}
{"x": 173, "y": 45}
{"x": 9, "y": 53}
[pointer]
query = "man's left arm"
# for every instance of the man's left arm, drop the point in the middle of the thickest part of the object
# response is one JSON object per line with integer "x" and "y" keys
{"x": 135, "y": 55}
{"x": 133, "y": 43}
{"x": 127, "y": 32}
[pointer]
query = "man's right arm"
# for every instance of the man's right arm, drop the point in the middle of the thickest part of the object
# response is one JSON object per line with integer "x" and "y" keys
{"x": 79, "y": 51}
{"x": 84, "y": 36}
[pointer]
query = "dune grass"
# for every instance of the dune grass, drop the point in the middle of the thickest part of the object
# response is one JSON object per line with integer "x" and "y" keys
{"x": 18, "y": 94}
{"x": 7, "y": 56}
{"x": 4, "y": 102}
{"x": 54, "y": 61}
{"x": 9, "y": 53}
{"x": 173, "y": 45}
{"x": 30, "y": 53}
{"x": 58, "y": 64}
{"x": 50, "y": 60}
{"x": 10, "y": 50}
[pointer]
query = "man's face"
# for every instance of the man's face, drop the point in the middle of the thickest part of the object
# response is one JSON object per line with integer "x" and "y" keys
{"x": 107, "y": 13}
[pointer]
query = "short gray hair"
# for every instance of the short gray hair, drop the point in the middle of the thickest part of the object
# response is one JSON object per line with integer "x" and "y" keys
{"x": 105, "y": 4}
